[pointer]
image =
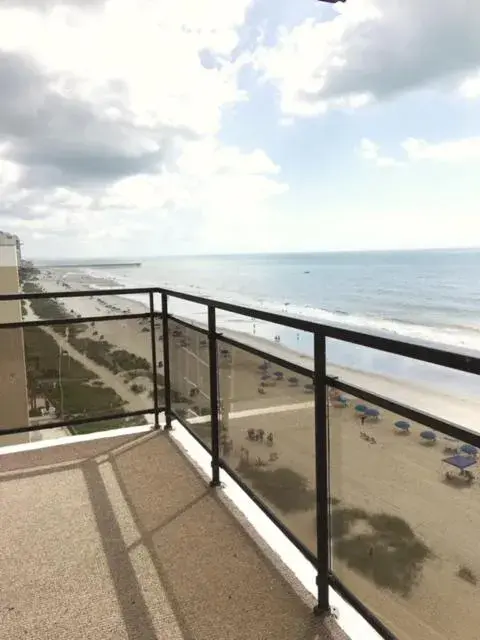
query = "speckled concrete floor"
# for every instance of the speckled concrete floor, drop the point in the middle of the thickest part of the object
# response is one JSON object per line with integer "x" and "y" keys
{"x": 121, "y": 539}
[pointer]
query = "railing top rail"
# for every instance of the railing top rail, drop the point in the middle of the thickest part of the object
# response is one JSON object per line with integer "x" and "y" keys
{"x": 461, "y": 359}
{"x": 78, "y": 293}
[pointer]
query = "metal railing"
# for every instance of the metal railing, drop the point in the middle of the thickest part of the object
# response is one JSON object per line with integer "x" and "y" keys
{"x": 461, "y": 360}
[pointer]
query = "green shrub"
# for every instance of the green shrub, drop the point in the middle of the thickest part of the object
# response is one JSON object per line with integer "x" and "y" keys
{"x": 467, "y": 574}
{"x": 81, "y": 392}
{"x": 384, "y": 549}
{"x": 284, "y": 488}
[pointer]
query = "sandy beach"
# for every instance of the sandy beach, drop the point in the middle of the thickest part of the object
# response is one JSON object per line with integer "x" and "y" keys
{"x": 417, "y": 565}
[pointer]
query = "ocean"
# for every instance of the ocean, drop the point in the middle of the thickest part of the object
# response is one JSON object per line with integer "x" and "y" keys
{"x": 431, "y": 295}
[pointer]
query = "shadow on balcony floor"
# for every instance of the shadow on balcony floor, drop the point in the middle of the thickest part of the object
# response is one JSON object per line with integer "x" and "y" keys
{"x": 120, "y": 538}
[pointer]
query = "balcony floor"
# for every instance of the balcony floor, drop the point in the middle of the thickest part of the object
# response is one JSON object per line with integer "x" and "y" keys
{"x": 121, "y": 538}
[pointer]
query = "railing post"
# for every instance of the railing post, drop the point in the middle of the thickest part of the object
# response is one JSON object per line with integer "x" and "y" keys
{"x": 322, "y": 474}
{"x": 213, "y": 368}
{"x": 166, "y": 364}
{"x": 154, "y": 359}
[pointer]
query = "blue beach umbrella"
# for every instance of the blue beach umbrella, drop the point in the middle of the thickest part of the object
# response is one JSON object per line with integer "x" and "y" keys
{"x": 341, "y": 398}
{"x": 372, "y": 412}
{"x": 361, "y": 408}
{"x": 278, "y": 374}
{"x": 428, "y": 435}
{"x": 469, "y": 449}
{"x": 402, "y": 424}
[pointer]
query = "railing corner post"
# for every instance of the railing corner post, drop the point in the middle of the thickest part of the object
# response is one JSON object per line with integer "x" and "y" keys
{"x": 154, "y": 360}
{"x": 214, "y": 405}
{"x": 166, "y": 364}
{"x": 321, "y": 475}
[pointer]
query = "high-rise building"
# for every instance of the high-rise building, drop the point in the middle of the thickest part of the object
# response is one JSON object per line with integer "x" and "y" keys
{"x": 13, "y": 375}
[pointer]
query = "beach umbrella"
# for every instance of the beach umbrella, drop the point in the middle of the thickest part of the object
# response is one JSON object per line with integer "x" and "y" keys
{"x": 469, "y": 449}
{"x": 374, "y": 413}
{"x": 341, "y": 398}
{"x": 265, "y": 377}
{"x": 278, "y": 374}
{"x": 361, "y": 408}
{"x": 293, "y": 380}
{"x": 428, "y": 435}
{"x": 308, "y": 387}
{"x": 402, "y": 424}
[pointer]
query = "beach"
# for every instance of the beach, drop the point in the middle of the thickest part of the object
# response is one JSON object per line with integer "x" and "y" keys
{"x": 416, "y": 566}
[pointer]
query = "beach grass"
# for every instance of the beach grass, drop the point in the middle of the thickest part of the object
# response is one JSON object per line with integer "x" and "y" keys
{"x": 77, "y": 393}
{"x": 380, "y": 546}
{"x": 284, "y": 488}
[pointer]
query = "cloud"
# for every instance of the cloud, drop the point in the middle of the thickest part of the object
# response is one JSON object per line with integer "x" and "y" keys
{"x": 470, "y": 87}
{"x": 460, "y": 151}
{"x": 370, "y": 50}
{"x": 123, "y": 136}
{"x": 64, "y": 140}
{"x": 369, "y": 150}
{"x": 451, "y": 151}
{"x": 47, "y": 5}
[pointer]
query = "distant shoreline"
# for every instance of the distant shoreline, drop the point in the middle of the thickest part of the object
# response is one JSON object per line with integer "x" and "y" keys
{"x": 104, "y": 265}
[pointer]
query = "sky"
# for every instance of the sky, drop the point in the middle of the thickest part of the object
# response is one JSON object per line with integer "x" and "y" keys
{"x": 152, "y": 127}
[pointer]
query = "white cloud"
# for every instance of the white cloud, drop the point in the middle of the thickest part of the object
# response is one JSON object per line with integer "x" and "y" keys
{"x": 371, "y": 49}
{"x": 460, "y": 151}
{"x": 369, "y": 150}
{"x": 470, "y": 87}
{"x": 451, "y": 151}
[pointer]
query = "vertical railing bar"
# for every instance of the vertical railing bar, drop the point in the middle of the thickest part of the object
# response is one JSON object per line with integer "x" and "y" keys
{"x": 154, "y": 358}
{"x": 213, "y": 369}
{"x": 321, "y": 473}
{"x": 166, "y": 364}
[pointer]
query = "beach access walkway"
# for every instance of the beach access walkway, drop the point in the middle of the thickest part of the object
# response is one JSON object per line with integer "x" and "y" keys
{"x": 120, "y": 538}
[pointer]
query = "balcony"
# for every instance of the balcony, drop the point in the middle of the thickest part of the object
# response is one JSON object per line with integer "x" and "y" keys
{"x": 114, "y": 530}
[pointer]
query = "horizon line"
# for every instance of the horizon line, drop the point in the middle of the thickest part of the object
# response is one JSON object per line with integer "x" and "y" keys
{"x": 252, "y": 253}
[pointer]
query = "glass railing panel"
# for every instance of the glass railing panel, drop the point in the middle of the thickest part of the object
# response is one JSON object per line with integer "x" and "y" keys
{"x": 190, "y": 378}
{"x": 405, "y": 516}
{"x": 267, "y": 435}
{"x": 75, "y": 371}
